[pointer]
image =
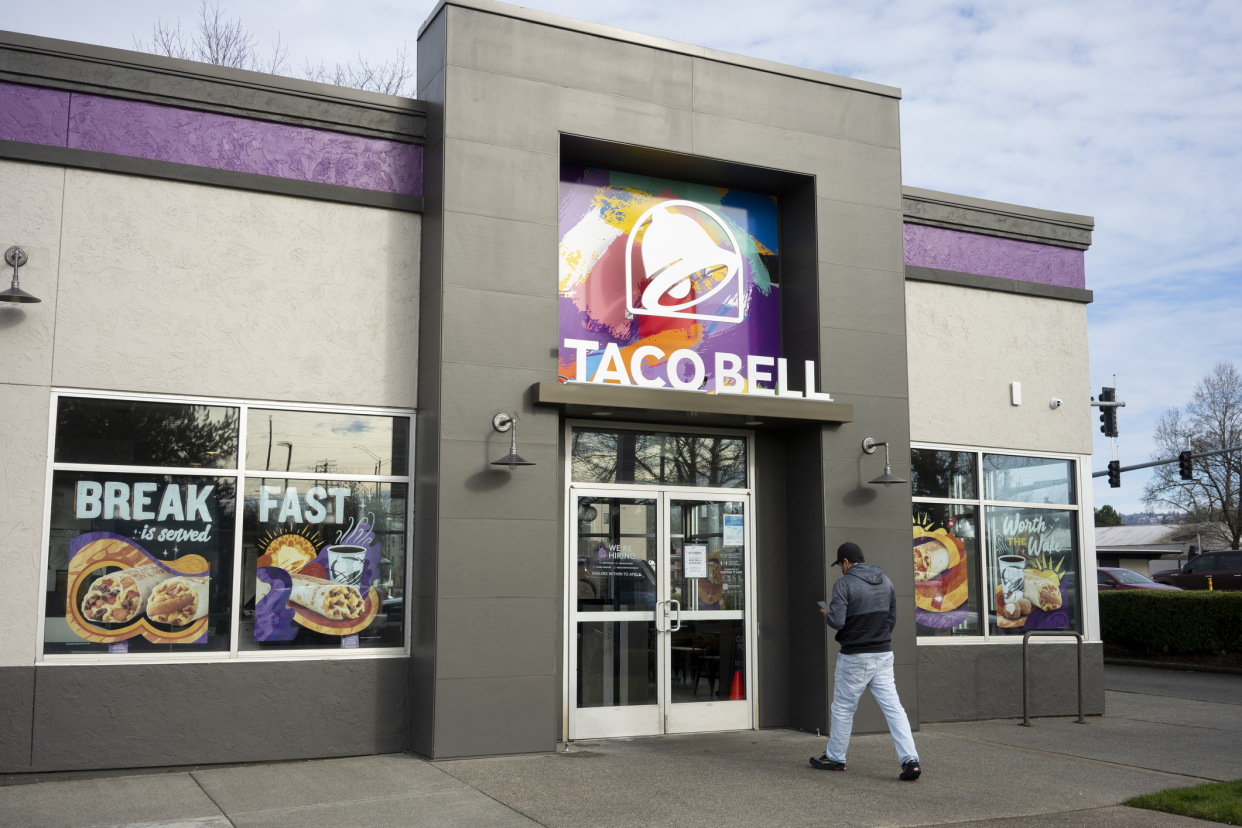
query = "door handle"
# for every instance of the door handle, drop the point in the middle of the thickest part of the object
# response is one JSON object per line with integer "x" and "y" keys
{"x": 657, "y": 616}
{"x": 671, "y": 628}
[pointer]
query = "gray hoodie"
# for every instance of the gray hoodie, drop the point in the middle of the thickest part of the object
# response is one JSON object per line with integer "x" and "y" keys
{"x": 863, "y": 610}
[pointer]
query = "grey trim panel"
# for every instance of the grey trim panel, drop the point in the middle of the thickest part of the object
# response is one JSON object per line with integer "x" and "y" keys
{"x": 994, "y": 218}
{"x": 670, "y": 400}
{"x": 945, "y": 697}
{"x": 134, "y": 722}
{"x": 99, "y": 70}
{"x": 974, "y": 280}
{"x": 127, "y": 165}
{"x": 578, "y": 149}
{"x": 613, "y": 33}
{"x": 997, "y": 206}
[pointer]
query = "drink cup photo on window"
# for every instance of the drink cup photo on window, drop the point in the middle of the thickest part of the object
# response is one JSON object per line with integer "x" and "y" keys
{"x": 345, "y": 564}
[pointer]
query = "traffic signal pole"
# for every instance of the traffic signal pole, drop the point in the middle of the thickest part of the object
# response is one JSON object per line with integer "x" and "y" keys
{"x": 1108, "y": 405}
{"x": 1170, "y": 460}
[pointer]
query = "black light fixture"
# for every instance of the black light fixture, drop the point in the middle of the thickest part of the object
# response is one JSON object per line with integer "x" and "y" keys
{"x": 15, "y": 257}
{"x": 503, "y": 422}
{"x": 888, "y": 478}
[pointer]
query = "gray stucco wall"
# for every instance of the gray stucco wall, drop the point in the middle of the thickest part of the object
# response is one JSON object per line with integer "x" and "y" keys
{"x": 985, "y": 340}
{"x": 501, "y": 86}
{"x": 984, "y": 681}
{"x": 172, "y": 288}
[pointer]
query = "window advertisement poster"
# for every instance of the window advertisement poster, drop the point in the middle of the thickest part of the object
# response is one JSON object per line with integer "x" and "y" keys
{"x": 666, "y": 284}
{"x": 734, "y": 530}
{"x": 319, "y": 570}
{"x": 1033, "y": 569}
{"x": 946, "y": 576}
{"x": 139, "y": 562}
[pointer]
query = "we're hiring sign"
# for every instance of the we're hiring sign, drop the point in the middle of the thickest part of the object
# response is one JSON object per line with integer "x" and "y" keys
{"x": 665, "y": 284}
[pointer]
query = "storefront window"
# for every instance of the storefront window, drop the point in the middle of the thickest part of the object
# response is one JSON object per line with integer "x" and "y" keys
{"x": 324, "y": 564}
{"x": 1019, "y": 570}
{"x": 144, "y": 535}
{"x": 613, "y": 456}
{"x": 313, "y": 441}
{"x": 946, "y": 569}
{"x": 139, "y": 563}
{"x": 1032, "y": 569}
{"x": 944, "y": 474}
{"x": 1028, "y": 479}
{"x": 139, "y": 433}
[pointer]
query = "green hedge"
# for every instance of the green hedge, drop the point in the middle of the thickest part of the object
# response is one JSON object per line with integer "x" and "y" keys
{"x": 1157, "y": 621}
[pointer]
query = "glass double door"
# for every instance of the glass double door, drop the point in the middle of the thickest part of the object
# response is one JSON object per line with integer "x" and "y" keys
{"x": 660, "y": 640}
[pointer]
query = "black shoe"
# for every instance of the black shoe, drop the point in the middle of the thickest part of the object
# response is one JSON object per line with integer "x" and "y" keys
{"x": 824, "y": 763}
{"x": 910, "y": 770}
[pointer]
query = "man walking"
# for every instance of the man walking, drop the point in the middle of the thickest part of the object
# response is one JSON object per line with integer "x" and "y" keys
{"x": 863, "y": 611}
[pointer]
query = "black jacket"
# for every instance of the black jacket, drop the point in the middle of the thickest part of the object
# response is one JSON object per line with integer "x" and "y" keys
{"x": 863, "y": 610}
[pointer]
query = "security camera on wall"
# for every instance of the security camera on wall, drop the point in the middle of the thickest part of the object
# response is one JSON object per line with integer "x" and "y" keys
{"x": 1055, "y": 402}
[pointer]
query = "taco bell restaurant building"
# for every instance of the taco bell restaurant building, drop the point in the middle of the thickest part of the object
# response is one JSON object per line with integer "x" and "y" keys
{"x": 532, "y": 409}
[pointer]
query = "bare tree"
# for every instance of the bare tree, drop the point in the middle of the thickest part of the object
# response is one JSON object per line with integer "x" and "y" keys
{"x": 221, "y": 41}
{"x": 390, "y": 77}
{"x": 216, "y": 40}
{"x": 1212, "y": 420}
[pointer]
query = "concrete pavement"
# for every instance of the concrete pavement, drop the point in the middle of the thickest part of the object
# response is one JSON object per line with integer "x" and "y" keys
{"x": 1162, "y": 730}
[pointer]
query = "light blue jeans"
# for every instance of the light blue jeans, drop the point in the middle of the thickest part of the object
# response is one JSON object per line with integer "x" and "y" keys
{"x": 855, "y": 673}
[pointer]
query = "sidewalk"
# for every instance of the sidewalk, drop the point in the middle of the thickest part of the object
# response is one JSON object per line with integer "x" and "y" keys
{"x": 1163, "y": 729}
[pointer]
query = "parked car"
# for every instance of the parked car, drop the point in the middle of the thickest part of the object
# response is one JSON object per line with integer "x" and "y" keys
{"x": 1112, "y": 578}
{"x": 1224, "y": 568}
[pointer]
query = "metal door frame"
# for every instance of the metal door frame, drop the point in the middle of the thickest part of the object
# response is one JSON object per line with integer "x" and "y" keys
{"x": 662, "y": 494}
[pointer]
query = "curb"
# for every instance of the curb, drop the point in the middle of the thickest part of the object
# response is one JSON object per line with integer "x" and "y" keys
{"x": 1168, "y": 665}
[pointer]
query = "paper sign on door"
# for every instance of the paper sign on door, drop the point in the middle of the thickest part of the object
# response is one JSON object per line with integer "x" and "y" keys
{"x": 696, "y": 561}
{"x": 733, "y": 530}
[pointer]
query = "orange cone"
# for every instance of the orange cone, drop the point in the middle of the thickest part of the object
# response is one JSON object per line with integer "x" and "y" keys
{"x": 736, "y": 693}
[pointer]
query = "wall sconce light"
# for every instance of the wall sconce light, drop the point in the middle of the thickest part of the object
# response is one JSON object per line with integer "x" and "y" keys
{"x": 888, "y": 478}
{"x": 503, "y": 422}
{"x": 15, "y": 257}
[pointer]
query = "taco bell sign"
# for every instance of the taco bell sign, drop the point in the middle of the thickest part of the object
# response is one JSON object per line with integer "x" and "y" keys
{"x": 664, "y": 284}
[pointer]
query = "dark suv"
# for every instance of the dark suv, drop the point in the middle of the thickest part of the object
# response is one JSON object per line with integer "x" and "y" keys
{"x": 1224, "y": 568}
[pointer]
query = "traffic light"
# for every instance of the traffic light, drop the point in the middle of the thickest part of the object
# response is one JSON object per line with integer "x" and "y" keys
{"x": 1185, "y": 467}
{"x": 1114, "y": 473}
{"x": 1108, "y": 413}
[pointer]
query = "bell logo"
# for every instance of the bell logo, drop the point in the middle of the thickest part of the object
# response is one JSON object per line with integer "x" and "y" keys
{"x": 687, "y": 274}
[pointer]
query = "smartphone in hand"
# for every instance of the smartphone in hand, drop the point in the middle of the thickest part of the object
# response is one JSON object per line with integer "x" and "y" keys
{"x": 823, "y": 605}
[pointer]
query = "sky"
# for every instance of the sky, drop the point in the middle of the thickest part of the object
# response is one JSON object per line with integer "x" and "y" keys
{"x": 1130, "y": 112}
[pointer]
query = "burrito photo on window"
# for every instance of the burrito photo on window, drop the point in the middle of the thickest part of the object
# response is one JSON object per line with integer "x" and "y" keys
{"x": 179, "y": 600}
{"x": 336, "y": 602}
{"x": 122, "y": 596}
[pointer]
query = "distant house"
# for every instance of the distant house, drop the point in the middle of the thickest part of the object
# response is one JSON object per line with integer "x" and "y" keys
{"x": 1144, "y": 549}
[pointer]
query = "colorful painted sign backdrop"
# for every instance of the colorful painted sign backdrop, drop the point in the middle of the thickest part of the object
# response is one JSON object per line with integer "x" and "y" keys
{"x": 673, "y": 284}
{"x": 325, "y": 587}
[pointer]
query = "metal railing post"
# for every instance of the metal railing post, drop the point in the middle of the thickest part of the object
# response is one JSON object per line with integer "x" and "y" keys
{"x": 1026, "y": 675}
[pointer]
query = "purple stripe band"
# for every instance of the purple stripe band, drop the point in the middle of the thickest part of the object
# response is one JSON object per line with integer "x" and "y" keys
{"x": 208, "y": 139}
{"x": 1022, "y": 261}
{"x": 34, "y": 115}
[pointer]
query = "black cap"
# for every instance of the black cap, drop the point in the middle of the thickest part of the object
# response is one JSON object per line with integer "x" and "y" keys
{"x": 848, "y": 552}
